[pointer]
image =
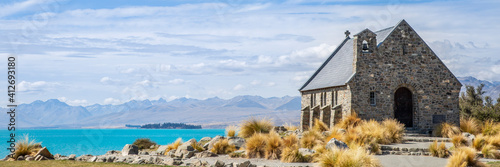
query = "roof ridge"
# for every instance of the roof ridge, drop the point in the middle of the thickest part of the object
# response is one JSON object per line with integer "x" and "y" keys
{"x": 385, "y": 29}
{"x": 324, "y": 63}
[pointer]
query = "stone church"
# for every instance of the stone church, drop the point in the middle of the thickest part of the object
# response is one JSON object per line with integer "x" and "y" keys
{"x": 390, "y": 73}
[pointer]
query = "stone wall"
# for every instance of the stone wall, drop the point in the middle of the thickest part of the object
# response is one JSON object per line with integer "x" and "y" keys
{"x": 402, "y": 60}
{"x": 325, "y": 112}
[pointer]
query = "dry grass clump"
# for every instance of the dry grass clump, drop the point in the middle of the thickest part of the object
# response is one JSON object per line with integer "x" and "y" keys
{"x": 319, "y": 126}
{"x": 174, "y": 145}
{"x": 290, "y": 127}
{"x": 335, "y": 132}
{"x": 197, "y": 146}
{"x": 446, "y": 129}
{"x": 490, "y": 128}
{"x": 26, "y": 146}
{"x": 252, "y": 126}
{"x": 490, "y": 151}
{"x": 350, "y": 121}
{"x": 292, "y": 154}
{"x": 459, "y": 141}
{"x": 464, "y": 156}
{"x": 479, "y": 142}
{"x": 256, "y": 146}
{"x": 291, "y": 140}
{"x": 439, "y": 151}
{"x": 311, "y": 138}
{"x": 231, "y": 131}
{"x": 223, "y": 147}
{"x": 144, "y": 143}
{"x": 394, "y": 130}
{"x": 470, "y": 125}
{"x": 274, "y": 146}
{"x": 348, "y": 158}
{"x": 371, "y": 130}
{"x": 494, "y": 140}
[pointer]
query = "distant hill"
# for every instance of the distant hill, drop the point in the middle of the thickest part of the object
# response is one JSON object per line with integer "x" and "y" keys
{"x": 492, "y": 88}
{"x": 210, "y": 113}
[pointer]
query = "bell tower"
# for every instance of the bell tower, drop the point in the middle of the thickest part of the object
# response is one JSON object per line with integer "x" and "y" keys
{"x": 365, "y": 45}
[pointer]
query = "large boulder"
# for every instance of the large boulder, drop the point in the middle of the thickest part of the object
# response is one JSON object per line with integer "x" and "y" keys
{"x": 334, "y": 143}
{"x": 205, "y": 139}
{"x": 205, "y": 154}
{"x": 45, "y": 153}
{"x": 72, "y": 157}
{"x": 161, "y": 150}
{"x": 238, "y": 142}
{"x": 186, "y": 146}
{"x": 218, "y": 163}
{"x": 83, "y": 157}
{"x": 130, "y": 149}
{"x": 172, "y": 162}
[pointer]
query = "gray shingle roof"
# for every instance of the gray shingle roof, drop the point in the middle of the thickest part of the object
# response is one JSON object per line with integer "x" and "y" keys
{"x": 338, "y": 68}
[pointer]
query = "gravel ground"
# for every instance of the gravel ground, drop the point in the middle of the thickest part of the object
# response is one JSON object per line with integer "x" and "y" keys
{"x": 255, "y": 161}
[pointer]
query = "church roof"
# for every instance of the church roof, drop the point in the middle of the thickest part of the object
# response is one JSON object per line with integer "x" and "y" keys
{"x": 338, "y": 68}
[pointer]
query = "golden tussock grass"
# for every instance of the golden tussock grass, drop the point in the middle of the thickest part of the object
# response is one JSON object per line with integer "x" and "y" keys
{"x": 223, "y": 147}
{"x": 274, "y": 146}
{"x": 319, "y": 126}
{"x": 490, "y": 151}
{"x": 490, "y": 128}
{"x": 439, "y": 150}
{"x": 394, "y": 130}
{"x": 290, "y": 127}
{"x": 494, "y": 140}
{"x": 459, "y": 140}
{"x": 256, "y": 145}
{"x": 174, "y": 145}
{"x": 348, "y": 158}
{"x": 310, "y": 139}
{"x": 26, "y": 146}
{"x": 231, "y": 131}
{"x": 446, "y": 130}
{"x": 291, "y": 140}
{"x": 253, "y": 125}
{"x": 350, "y": 121}
{"x": 335, "y": 132}
{"x": 463, "y": 157}
{"x": 478, "y": 142}
{"x": 292, "y": 154}
{"x": 197, "y": 146}
{"x": 470, "y": 125}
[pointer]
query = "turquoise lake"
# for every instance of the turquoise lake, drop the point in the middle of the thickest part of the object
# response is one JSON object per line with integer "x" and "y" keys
{"x": 99, "y": 141}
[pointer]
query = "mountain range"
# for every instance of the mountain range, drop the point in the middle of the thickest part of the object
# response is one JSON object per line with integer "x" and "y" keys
{"x": 210, "y": 113}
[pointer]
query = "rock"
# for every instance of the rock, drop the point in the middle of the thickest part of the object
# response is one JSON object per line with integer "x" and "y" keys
{"x": 186, "y": 146}
{"x": 152, "y": 146}
{"x": 218, "y": 163}
{"x": 470, "y": 137}
{"x": 57, "y": 156}
{"x": 205, "y": 139}
{"x": 172, "y": 162}
{"x": 198, "y": 163}
{"x": 171, "y": 153}
{"x": 120, "y": 160}
{"x": 30, "y": 158}
{"x": 205, "y": 154}
{"x": 161, "y": 150}
{"x": 130, "y": 149}
{"x": 238, "y": 142}
{"x": 83, "y": 157}
{"x": 112, "y": 152}
{"x": 45, "y": 152}
{"x": 101, "y": 159}
{"x": 71, "y": 157}
{"x": 93, "y": 159}
{"x": 153, "y": 153}
{"x": 306, "y": 151}
{"x": 143, "y": 153}
{"x": 157, "y": 161}
{"x": 334, "y": 143}
{"x": 210, "y": 144}
{"x": 244, "y": 164}
{"x": 20, "y": 158}
{"x": 280, "y": 129}
{"x": 139, "y": 161}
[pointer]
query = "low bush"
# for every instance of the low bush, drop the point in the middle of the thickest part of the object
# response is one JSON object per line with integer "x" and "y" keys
{"x": 348, "y": 158}
{"x": 350, "y": 121}
{"x": 490, "y": 128}
{"x": 252, "y": 126}
{"x": 174, "y": 145}
{"x": 479, "y": 142}
{"x": 274, "y": 146}
{"x": 394, "y": 130}
{"x": 292, "y": 154}
{"x": 144, "y": 143}
{"x": 439, "y": 150}
{"x": 256, "y": 145}
{"x": 310, "y": 139}
{"x": 291, "y": 140}
{"x": 464, "y": 156}
{"x": 459, "y": 141}
{"x": 223, "y": 147}
{"x": 490, "y": 151}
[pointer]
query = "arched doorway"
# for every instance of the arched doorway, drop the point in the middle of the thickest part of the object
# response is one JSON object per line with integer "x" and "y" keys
{"x": 403, "y": 106}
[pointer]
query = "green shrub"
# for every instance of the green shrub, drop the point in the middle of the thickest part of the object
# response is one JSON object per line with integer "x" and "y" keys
{"x": 144, "y": 143}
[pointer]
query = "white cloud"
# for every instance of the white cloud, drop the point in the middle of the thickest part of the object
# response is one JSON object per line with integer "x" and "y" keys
{"x": 38, "y": 86}
{"x": 271, "y": 84}
{"x": 255, "y": 82}
{"x": 112, "y": 101}
{"x": 73, "y": 102}
{"x": 6, "y": 10}
{"x": 145, "y": 83}
{"x": 238, "y": 87}
{"x": 108, "y": 80}
{"x": 176, "y": 81}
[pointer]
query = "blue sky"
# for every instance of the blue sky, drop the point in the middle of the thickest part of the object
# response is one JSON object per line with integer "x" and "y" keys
{"x": 109, "y": 52}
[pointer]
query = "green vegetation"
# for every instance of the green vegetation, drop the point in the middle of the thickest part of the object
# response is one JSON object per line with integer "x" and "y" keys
{"x": 474, "y": 104}
{"x": 144, "y": 143}
{"x": 169, "y": 125}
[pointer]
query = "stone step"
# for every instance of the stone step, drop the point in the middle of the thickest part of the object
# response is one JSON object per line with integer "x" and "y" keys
{"x": 404, "y": 151}
{"x": 415, "y": 135}
{"x": 426, "y": 139}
